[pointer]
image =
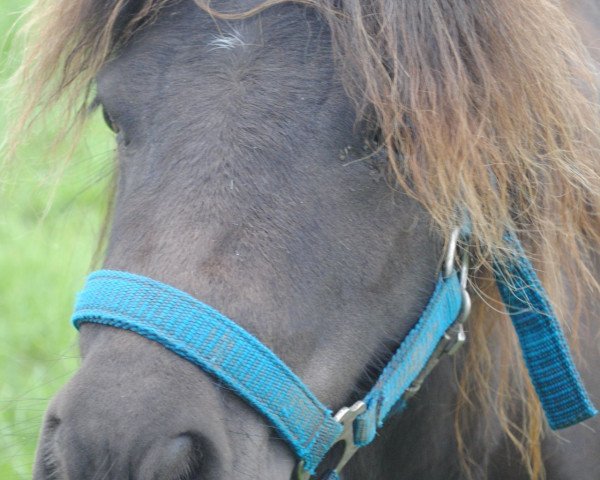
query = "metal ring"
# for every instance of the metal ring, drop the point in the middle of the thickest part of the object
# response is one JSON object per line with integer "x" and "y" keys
{"x": 465, "y": 308}
{"x": 464, "y": 269}
{"x": 463, "y": 275}
{"x": 451, "y": 253}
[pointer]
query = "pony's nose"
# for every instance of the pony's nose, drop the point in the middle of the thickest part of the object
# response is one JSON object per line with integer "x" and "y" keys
{"x": 71, "y": 452}
{"x": 122, "y": 443}
{"x": 180, "y": 456}
{"x": 135, "y": 411}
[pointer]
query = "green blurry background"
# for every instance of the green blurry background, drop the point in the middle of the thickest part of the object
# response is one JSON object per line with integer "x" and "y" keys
{"x": 50, "y": 217}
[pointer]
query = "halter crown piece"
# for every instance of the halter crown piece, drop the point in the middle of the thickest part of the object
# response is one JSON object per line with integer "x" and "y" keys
{"x": 207, "y": 338}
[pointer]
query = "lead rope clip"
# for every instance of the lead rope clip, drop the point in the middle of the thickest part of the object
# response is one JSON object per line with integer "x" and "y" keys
{"x": 344, "y": 417}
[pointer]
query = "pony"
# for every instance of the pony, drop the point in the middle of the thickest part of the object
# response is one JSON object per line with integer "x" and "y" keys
{"x": 299, "y": 165}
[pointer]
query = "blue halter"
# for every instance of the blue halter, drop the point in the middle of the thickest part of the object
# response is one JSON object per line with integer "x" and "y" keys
{"x": 205, "y": 337}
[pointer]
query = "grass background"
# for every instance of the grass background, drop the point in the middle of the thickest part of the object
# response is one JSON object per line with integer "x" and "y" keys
{"x": 50, "y": 217}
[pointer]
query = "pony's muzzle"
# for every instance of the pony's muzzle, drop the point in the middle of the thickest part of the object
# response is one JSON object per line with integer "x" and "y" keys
{"x": 134, "y": 410}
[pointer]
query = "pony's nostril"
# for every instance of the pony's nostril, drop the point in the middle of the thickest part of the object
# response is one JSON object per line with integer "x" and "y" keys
{"x": 48, "y": 464}
{"x": 180, "y": 458}
{"x": 52, "y": 423}
{"x": 188, "y": 450}
{"x": 184, "y": 448}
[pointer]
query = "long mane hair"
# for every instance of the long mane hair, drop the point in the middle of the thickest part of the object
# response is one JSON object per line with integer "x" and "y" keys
{"x": 485, "y": 108}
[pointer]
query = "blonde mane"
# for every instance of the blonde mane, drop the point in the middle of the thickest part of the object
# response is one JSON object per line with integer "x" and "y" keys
{"x": 485, "y": 108}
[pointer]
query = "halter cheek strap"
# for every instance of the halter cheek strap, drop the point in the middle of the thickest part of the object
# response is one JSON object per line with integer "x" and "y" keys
{"x": 205, "y": 337}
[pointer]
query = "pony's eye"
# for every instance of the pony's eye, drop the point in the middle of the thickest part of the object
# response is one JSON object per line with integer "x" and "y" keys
{"x": 110, "y": 122}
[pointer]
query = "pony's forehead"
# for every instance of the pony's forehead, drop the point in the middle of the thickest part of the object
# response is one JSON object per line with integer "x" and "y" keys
{"x": 227, "y": 41}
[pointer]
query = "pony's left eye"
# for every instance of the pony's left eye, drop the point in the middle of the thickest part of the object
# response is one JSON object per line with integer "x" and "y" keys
{"x": 110, "y": 122}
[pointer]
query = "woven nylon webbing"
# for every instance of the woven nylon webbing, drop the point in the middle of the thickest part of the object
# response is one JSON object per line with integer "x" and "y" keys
{"x": 408, "y": 361}
{"x": 544, "y": 347}
{"x": 207, "y": 338}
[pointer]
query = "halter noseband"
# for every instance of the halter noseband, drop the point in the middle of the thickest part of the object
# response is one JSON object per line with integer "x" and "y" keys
{"x": 207, "y": 338}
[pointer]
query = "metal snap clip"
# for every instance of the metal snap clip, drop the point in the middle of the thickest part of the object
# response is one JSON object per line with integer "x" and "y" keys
{"x": 345, "y": 417}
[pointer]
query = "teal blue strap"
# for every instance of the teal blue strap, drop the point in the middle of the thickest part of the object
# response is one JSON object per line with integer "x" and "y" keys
{"x": 410, "y": 359}
{"x": 544, "y": 347}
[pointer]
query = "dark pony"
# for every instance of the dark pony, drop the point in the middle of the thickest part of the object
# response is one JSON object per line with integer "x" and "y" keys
{"x": 484, "y": 108}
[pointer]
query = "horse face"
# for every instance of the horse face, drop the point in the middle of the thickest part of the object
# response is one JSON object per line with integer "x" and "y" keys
{"x": 243, "y": 180}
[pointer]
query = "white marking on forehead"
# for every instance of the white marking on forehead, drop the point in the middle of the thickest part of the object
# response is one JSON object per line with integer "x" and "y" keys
{"x": 227, "y": 42}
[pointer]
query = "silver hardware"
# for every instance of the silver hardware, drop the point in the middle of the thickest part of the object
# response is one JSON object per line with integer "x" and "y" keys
{"x": 451, "y": 252}
{"x": 453, "y": 339}
{"x": 456, "y": 339}
{"x": 465, "y": 308}
{"x": 455, "y": 336}
{"x": 435, "y": 358}
{"x": 345, "y": 417}
{"x": 451, "y": 256}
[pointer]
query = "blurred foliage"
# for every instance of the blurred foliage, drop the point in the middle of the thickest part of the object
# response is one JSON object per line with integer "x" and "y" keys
{"x": 50, "y": 217}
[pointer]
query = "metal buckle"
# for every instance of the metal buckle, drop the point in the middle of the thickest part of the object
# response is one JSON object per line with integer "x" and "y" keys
{"x": 451, "y": 253}
{"x": 345, "y": 417}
